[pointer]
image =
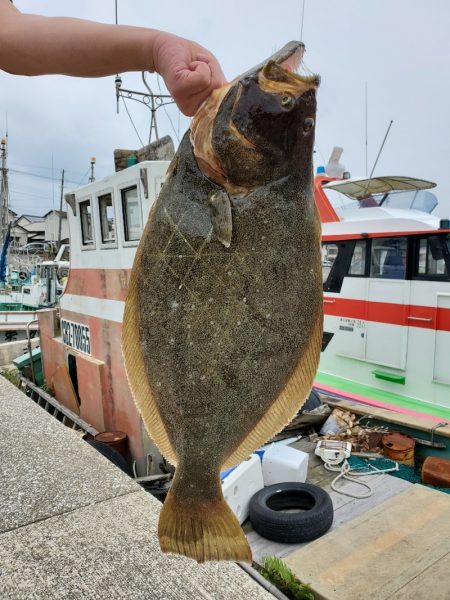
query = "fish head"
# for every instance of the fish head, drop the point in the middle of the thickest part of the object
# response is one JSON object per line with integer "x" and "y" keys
{"x": 260, "y": 127}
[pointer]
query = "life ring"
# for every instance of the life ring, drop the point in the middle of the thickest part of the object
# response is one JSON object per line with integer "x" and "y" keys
{"x": 313, "y": 520}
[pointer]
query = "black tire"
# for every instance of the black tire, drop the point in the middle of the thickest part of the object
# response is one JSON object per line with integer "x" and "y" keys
{"x": 112, "y": 455}
{"x": 269, "y": 520}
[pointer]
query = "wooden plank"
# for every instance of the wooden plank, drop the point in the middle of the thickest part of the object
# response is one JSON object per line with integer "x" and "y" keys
{"x": 345, "y": 509}
{"x": 380, "y": 550}
{"x": 432, "y": 570}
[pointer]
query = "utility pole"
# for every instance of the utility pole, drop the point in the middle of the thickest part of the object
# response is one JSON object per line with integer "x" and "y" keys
{"x": 60, "y": 209}
{"x": 4, "y": 190}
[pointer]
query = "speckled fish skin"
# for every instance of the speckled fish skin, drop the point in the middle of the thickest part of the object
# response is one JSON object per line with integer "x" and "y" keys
{"x": 229, "y": 297}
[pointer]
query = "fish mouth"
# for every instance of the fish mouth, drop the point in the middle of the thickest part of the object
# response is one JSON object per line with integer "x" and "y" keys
{"x": 290, "y": 58}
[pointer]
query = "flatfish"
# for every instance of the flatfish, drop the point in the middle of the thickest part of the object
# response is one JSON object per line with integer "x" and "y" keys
{"x": 223, "y": 319}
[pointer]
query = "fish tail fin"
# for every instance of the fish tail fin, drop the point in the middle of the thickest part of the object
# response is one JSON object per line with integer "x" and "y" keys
{"x": 205, "y": 529}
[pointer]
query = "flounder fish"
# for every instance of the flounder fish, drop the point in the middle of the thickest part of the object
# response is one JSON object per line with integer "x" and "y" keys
{"x": 223, "y": 319}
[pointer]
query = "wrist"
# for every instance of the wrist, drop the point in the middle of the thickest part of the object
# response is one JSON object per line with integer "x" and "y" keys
{"x": 159, "y": 40}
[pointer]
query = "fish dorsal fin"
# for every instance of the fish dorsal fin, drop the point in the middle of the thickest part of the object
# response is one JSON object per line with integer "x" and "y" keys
{"x": 290, "y": 399}
{"x": 135, "y": 366}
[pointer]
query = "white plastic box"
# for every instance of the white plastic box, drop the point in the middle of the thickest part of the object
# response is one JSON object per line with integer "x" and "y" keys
{"x": 241, "y": 484}
{"x": 282, "y": 463}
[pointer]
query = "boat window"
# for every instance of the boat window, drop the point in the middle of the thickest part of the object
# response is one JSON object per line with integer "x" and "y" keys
{"x": 432, "y": 257}
{"x": 358, "y": 264}
{"x": 329, "y": 253}
{"x": 388, "y": 258}
{"x": 107, "y": 224}
{"x": 131, "y": 214}
{"x": 87, "y": 233}
{"x": 422, "y": 200}
{"x": 336, "y": 259}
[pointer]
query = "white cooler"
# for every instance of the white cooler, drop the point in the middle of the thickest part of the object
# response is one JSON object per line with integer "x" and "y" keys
{"x": 241, "y": 484}
{"x": 282, "y": 464}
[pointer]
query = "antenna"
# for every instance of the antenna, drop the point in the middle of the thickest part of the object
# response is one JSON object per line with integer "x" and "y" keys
{"x": 92, "y": 177}
{"x": 367, "y": 148}
{"x": 303, "y": 16}
{"x": 378, "y": 155}
{"x": 148, "y": 99}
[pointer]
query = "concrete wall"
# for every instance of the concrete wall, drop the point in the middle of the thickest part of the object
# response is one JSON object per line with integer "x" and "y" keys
{"x": 11, "y": 350}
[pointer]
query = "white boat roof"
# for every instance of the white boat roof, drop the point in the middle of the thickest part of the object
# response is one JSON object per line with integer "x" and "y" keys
{"x": 359, "y": 188}
{"x": 382, "y": 220}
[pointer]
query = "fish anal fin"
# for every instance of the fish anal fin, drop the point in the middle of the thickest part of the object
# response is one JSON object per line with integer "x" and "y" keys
{"x": 135, "y": 366}
{"x": 221, "y": 217}
{"x": 288, "y": 402}
{"x": 203, "y": 530}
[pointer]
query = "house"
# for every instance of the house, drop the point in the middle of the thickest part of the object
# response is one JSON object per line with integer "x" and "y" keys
{"x": 19, "y": 235}
{"x": 51, "y": 222}
{"x": 34, "y": 225}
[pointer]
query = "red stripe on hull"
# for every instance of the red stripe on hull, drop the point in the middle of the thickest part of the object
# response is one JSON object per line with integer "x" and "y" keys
{"x": 111, "y": 284}
{"x": 389, "y": 313}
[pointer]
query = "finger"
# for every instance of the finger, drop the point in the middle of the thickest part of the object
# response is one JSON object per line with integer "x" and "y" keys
{"x": 217, "y": 76}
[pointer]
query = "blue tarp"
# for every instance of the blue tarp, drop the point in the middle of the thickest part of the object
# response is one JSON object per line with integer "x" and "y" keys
{"x": 4, "y": 255}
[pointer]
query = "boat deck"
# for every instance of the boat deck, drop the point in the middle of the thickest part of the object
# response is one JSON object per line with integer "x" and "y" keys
{"x": 345, "y": 508}
{"x": 392, "y": 545}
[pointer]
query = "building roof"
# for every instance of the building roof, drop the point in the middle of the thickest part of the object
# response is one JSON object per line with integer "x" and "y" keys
{"x": 63, "y": 213}
{"x": 31, "y": 218}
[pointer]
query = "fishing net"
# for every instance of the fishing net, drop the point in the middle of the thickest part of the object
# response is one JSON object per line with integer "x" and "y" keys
{"x": 406, "y": 472}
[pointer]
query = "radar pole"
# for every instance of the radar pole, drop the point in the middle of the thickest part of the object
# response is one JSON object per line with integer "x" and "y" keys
{"x": 4, "y": 190}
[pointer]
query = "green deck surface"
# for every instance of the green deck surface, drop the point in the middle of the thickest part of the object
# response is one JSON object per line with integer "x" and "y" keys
{"x": 345, "y": 385}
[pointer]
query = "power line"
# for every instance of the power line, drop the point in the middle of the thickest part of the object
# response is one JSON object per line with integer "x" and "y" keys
{"x": 28, "y": 194}
{"x": 132, "y": 122}
{"x": 165, "y": 110}
{"x": 29, "y": 174}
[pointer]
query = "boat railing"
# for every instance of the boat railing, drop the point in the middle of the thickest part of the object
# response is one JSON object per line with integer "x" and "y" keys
{"x": 55, "y": 408}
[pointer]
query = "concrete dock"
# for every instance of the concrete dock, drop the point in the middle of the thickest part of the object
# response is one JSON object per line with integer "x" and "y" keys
{"x": 72, "y": 526}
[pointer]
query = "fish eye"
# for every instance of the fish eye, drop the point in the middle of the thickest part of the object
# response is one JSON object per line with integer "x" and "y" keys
{"x": 308, "y": 124}
{"x": 287, "y": 101}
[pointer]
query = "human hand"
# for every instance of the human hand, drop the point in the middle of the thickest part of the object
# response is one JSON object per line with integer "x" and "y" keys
{"x": 190, "y": 72}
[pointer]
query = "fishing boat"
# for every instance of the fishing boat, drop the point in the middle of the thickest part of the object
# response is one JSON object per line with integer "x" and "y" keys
{"x": 28, "y": 290}
{"x": 385, "y": 335}
{"x": 386, "y": 272}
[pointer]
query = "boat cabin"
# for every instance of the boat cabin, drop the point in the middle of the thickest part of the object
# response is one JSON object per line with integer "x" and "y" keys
{"x": 81, "y": 345}
{"x": 386, "y": 299}
{"x": 386, "y": 274}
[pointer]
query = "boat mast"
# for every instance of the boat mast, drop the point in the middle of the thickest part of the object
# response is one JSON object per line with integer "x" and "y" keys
{"x": 4, "y": 189}
{"x": 148, "y": 99}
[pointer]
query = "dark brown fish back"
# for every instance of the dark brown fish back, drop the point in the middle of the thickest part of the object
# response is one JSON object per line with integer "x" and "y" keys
{"x": 218, "y": 323}
{"x": 223, "y": 323}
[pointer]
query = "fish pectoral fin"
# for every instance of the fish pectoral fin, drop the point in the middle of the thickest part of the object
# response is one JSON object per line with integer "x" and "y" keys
{"x": 221, "y": 217}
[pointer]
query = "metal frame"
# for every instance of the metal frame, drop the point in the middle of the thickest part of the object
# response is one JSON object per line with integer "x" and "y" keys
{"x": 53, "y": 407}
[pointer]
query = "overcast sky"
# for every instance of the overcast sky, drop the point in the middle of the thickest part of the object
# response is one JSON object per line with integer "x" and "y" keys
{"x": 401, "y": 48}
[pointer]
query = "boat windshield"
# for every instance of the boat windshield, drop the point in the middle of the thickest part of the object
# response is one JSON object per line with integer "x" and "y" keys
{"x": 422, "y": 200}
{"x": 418, "y": 200}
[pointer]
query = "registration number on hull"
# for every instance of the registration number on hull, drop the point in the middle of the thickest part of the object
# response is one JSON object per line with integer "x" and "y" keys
{"x": 76, "y": 335}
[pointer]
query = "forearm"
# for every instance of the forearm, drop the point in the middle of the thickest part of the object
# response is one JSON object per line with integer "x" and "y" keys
{"x": 35, "y": 45}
